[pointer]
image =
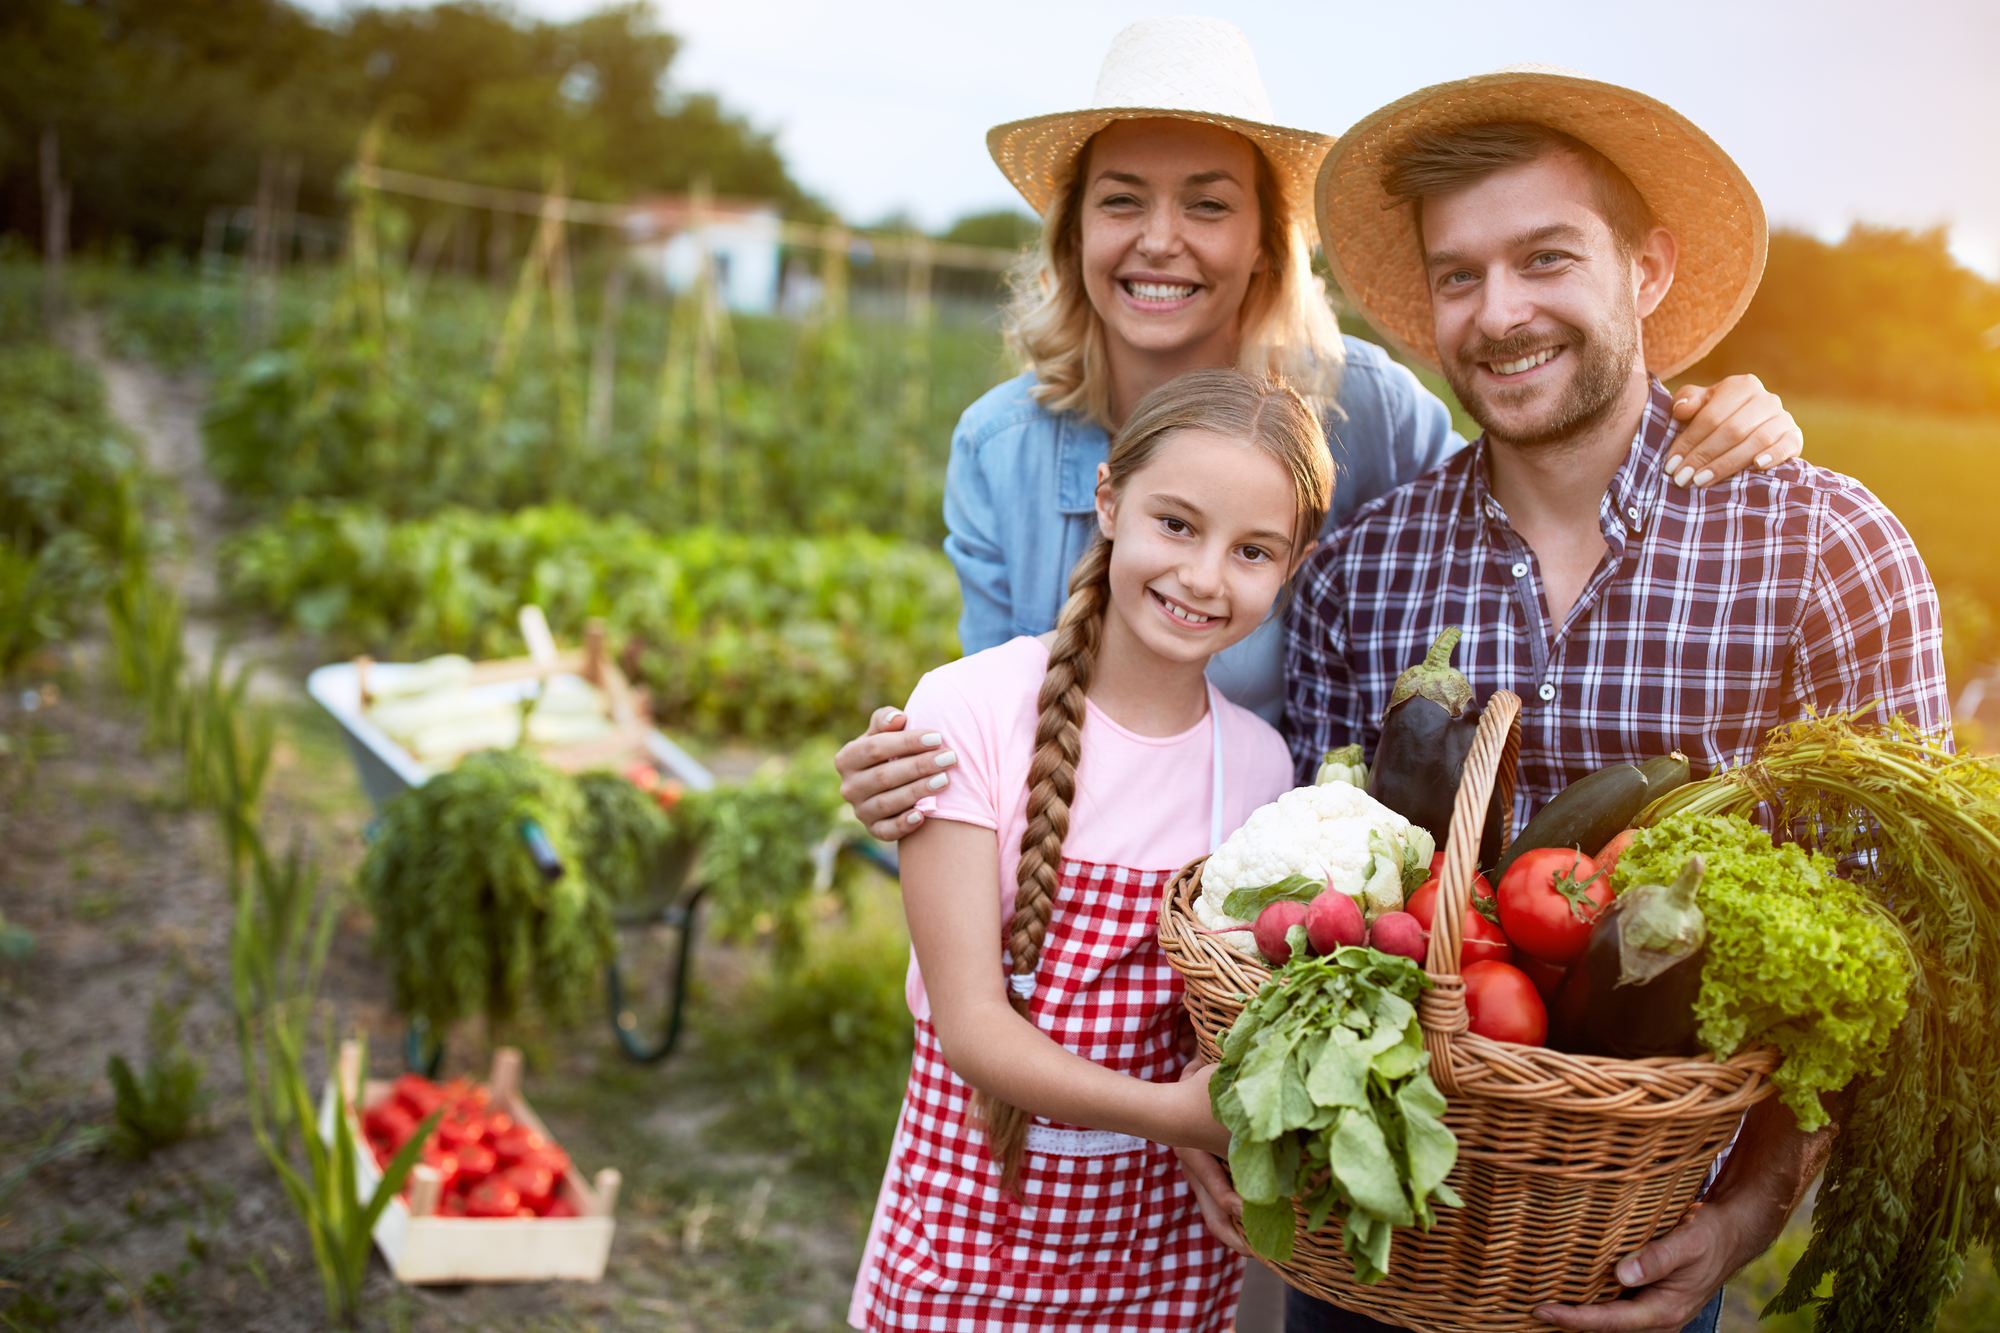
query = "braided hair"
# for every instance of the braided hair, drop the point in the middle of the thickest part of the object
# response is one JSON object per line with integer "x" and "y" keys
{"x": 1265, "y": 413}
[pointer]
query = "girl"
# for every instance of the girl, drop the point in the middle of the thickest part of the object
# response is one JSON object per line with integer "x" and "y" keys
{"x": 1177, "y": 233}
{"x": 1031, "y": 1184}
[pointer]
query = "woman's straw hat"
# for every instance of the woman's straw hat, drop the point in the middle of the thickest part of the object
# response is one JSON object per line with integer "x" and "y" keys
{"x": 1693, "y": 187}
{"x": 1181, "y": 68}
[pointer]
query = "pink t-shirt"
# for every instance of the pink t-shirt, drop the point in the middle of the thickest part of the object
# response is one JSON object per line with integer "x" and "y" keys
{"x": 1142, "y": 802}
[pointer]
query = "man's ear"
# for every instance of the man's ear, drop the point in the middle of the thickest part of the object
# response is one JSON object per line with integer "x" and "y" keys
{"x": 1107, "y": 501}
{"x": 1653, "y": 266}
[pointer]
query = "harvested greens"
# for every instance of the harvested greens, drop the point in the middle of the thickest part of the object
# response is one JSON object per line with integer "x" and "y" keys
{"x": 1915, "y": 1174}
{"x": 465, "y": 916}
{"x": 1325, "y": 1091}
{"x": 1797, "y": 957}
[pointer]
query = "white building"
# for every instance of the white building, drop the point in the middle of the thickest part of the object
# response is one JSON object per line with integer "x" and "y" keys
{"x": 671, "y": 238}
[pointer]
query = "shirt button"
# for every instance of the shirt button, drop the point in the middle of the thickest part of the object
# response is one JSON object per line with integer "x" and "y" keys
{"x": 1547, "y": 691}
{"x": 1520, "y": 570}
{"x": 1633, "y": 513}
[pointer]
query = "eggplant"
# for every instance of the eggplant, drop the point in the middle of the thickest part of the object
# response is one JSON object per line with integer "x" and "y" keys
{"x": 1427, "y": 732}
{"x": 1632, "y": 993}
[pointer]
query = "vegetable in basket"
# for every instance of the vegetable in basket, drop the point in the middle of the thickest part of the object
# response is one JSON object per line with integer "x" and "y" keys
{"x": 1427, "y": 731}
{"x": 1586, "y": 814}
{"x": 1308, "y": 841}
{"x": 1914, "y": 1179}
{"x": 1324, "y": 1088}
{"x": 1632, "y": 994}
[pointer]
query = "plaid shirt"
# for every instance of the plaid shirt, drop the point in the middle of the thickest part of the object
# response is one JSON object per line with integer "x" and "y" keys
{"x": 1718, "y": 614}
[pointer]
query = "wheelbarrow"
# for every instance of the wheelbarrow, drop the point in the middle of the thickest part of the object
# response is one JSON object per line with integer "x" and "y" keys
{"x": 668, "y": 908}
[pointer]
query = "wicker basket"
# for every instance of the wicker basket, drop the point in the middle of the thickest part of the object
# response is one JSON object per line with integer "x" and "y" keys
{"x": 1566, "y": 1163}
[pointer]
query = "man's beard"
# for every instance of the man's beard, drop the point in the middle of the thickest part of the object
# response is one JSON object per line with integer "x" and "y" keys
{"x": 1604, "y": 357}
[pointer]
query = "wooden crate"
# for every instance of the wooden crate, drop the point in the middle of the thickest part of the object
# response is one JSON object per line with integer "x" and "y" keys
{"x": 423, "y": 1247}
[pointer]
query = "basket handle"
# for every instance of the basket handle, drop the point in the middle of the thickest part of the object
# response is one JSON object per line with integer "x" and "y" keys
{"x": 1496, "y": 750}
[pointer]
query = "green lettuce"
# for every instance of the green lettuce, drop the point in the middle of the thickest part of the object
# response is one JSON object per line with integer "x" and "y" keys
{"x": 1797, "y": 956}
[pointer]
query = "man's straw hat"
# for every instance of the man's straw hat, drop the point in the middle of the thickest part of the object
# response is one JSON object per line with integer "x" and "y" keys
{"x": 1695, "y": 190}
{"x": 1181, "y": 68}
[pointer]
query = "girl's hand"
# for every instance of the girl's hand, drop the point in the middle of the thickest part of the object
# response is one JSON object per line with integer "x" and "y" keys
{"x": 1729, "y": 427}
{"x": 1221, "y": 1205}
{"x": 1215, "y": 1193}
{"x": 887, "y": 769}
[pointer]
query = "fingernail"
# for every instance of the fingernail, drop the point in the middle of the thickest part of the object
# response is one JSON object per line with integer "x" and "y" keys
{"x": 1763, "y": 460}
{"x": 939, "y": 781}
{"x": 1674, "y": 463}
{"x": 931, "y": 738}
{"x": 1681, "y": 477}
{"x": 894, "y": 715}
{"x": 1703, "y": 477}
{"x": 915, "y": 817}
{"x": 945, "y": 760}
{"x": 1629, "y": 1274}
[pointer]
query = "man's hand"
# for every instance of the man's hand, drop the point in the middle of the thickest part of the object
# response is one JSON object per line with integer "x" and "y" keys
{"x": 1678, "y": 1273}
{"x": 1728, "y": 428}
{"x": 887, "y": 769}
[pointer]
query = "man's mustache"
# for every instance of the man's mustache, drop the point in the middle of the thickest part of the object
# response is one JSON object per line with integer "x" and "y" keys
{"x": 1515, "y": 346}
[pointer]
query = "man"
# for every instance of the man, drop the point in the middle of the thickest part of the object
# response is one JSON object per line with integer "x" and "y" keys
{"x": 1554, "y": 245}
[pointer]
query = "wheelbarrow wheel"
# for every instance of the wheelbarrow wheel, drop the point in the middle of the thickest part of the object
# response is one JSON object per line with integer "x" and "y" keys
{"x": 646, "y": 997}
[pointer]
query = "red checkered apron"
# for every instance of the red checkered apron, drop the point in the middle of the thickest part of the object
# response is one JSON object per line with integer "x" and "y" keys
{"x": 1106, "y": 1233}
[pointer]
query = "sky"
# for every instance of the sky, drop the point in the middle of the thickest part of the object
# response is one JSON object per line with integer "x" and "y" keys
{"x": 1836, "y": 110}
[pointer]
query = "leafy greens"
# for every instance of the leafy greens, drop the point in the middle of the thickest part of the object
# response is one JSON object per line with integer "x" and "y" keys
{"x": 1325, "y": 1091}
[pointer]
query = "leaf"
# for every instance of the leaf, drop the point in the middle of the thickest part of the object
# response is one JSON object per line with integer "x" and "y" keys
{"x": 1261, "y": 1085}
{"x": 1245, "y": 904}
{"x": 1254, "y": 1170}
{"x": 1268, "y": 1229}
{"x": 1432, "y": 1149}
{"x": 1339, "y": 1075}
{"x": 1360, "y": 1160}
{"x": 1404, "y": 1058}
{"x": 1366, "y": 1240}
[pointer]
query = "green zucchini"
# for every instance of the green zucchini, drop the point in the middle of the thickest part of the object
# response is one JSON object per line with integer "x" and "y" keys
{"x": 1664, "y": 774}
{"x": 1585, "y": 815}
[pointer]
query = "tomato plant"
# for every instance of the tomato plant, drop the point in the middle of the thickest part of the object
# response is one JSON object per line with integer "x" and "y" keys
{"x": 1549, "y": 900}
{"x": 1503, "y": 1004}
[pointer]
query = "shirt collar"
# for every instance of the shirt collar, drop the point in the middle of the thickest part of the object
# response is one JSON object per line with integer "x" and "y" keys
{"x": 1636, "y": 488}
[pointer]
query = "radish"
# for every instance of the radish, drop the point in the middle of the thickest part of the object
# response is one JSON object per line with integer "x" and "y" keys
{"x": 1333, "y": 921}
{"x": 1272, "y": 924}
{"x": 1400, "y": 933}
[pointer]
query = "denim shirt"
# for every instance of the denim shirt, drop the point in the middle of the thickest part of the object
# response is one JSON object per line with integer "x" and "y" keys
{"x": 1020, "y": 504}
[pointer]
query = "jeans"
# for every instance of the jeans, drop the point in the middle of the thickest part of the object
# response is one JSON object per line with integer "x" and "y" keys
{"x": 1308, "y": 1314}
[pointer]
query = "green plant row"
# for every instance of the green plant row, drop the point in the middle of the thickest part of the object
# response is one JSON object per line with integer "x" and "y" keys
{"x": 69, "y": 492}
{"x": 765, "y": 637}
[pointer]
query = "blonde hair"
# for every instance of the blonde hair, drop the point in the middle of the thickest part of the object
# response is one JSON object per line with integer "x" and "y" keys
{"x": 1266, "y": 413}
{"x": 1288, "y": 328}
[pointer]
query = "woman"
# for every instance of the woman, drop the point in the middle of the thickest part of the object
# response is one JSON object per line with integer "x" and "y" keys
{"x": 1176, "y": 234}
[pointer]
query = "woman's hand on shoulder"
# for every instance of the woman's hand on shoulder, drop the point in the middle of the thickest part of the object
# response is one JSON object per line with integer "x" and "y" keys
{"x": 1729, "y": 427}
{"x": 887, "y": 769}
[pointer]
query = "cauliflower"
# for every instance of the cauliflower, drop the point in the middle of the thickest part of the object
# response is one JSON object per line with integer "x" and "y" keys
{"x": 1336, "y": 835}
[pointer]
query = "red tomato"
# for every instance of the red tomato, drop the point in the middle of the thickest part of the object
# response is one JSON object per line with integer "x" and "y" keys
{"x": 1607, "y": 855}
{"x": 533, "y": 1183}
{"x": 419, "y": 1095}
{"x": 1549, "y": 900}
{"x": 1437, "y": 863}
{"x": 518, "y": 1144}
{"x": 476, "y": 1161}
{"x": 1502, "y": 1004}
{"x": 1548, "y": 977}
{"x": 389, "y": 1121}
{"x": 492, "y": 1198}
{"x": 1423, "y": 903}
{"x": 559, "y": 1207}
{"x": 496, "y": 1124}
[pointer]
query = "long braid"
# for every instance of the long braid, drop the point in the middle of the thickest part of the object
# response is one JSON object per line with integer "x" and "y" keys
{"x": 1051, "y": 789}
